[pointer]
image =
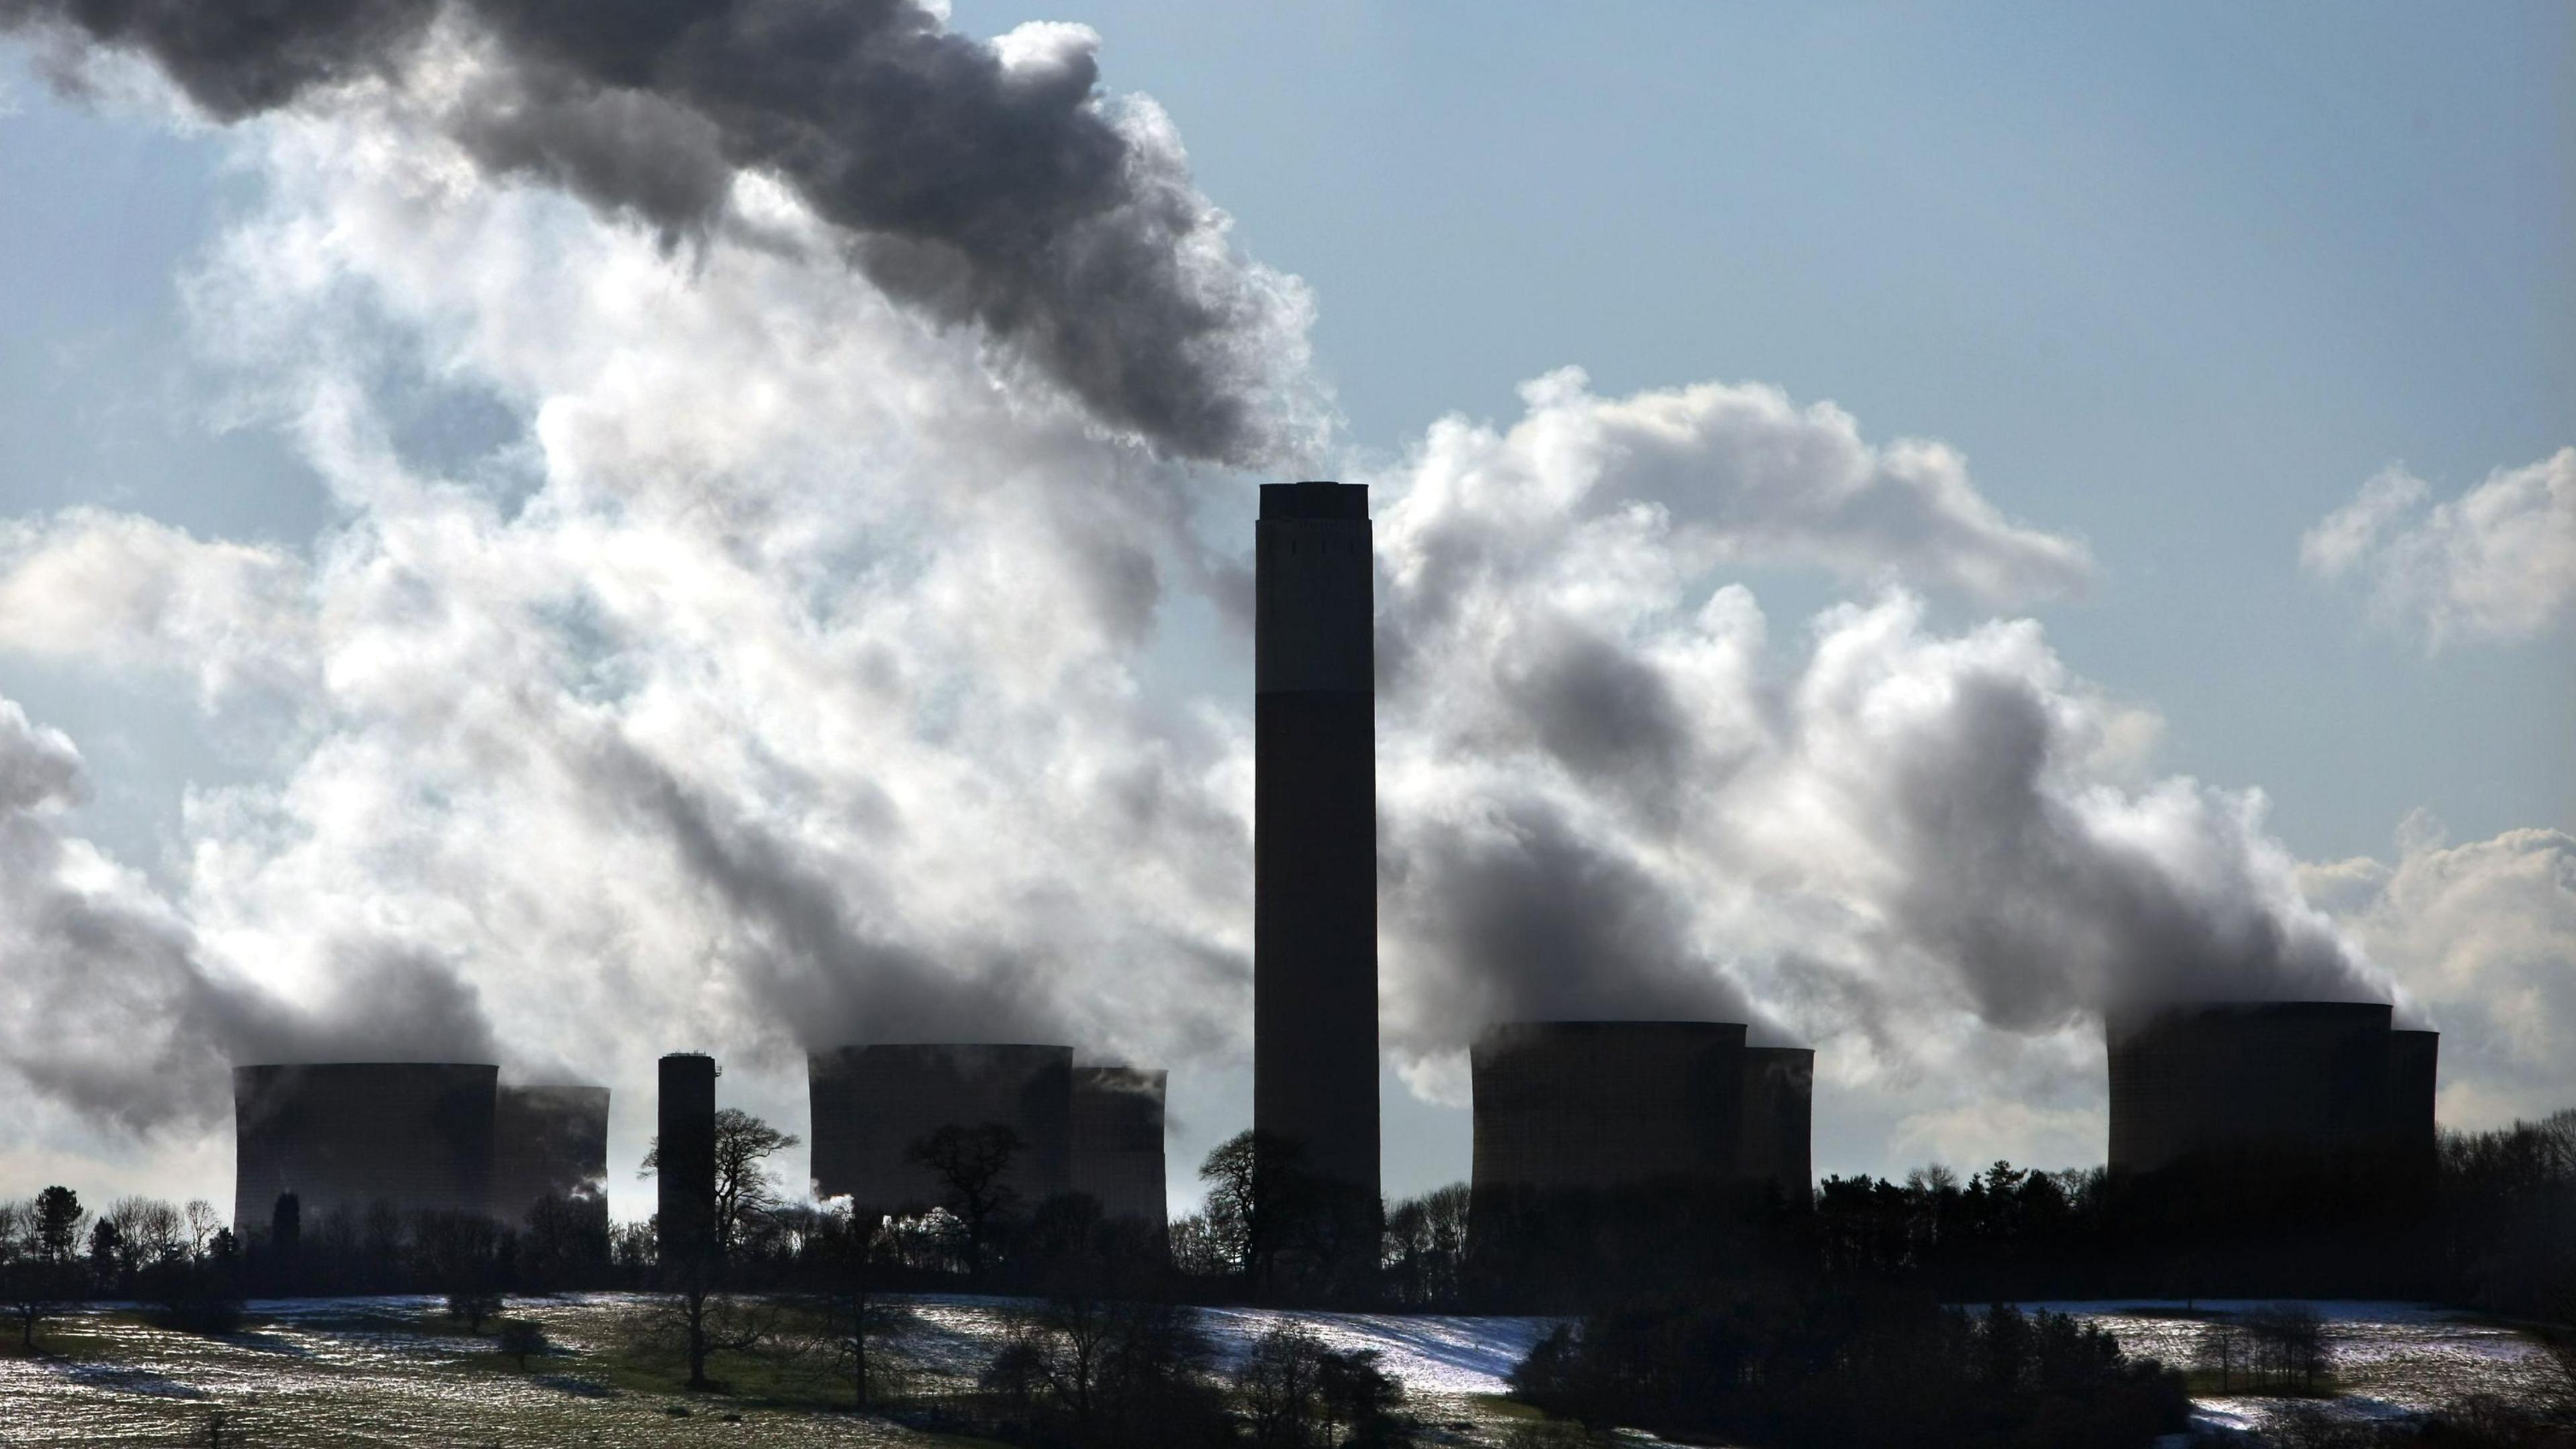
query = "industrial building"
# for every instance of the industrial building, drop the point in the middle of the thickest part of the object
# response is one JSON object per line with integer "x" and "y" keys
{"x": 1775, "y": 1149}
{"x": 871, "y": 1103}
{"x": 1314, "y": 952}
{"x": 1601, "y": 1105}
{"x": 1118, "y": 1141}
{"x": 2413, "y": 1061}
{"x": 417, "y": 1136}
{"x": 2282, "y": 1077}
{"x": 685, "y": 1148}
{"x": 547, "y": 1141}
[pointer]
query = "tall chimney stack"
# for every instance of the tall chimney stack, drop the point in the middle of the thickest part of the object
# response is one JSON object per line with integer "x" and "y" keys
{"x": 1314, "y": 952}
{"x": 686, "y": 1185}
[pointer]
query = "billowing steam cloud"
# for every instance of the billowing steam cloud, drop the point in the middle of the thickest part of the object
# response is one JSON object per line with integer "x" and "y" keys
{"x": 983, "y": 183}
{"x": 1603, "y": 794}
{"x": 105, "y": 1006}
{"x": 790, "y": 674}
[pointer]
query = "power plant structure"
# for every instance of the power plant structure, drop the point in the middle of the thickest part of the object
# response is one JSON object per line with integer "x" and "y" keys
{"x": 345, "y": 1136}
{"x": 1776, "y": 1144}
{"x": 547, "y": 1141}
{"x": 2240, "y": 1078}
{"x": 1314, "y": 934}
{"x": 1118, "y": 1142}
{"x": 1601, "y": 1106}
{"x": 1092, "y": 1129}
{"x": 685, "y": 1158}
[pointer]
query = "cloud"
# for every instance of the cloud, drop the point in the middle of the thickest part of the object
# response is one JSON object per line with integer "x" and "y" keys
{"x": 2497, "y": 563}
{"x": 122, "y": 592}
{"x": 1697, "y": 476}
{"x": 1604, "y": 790}
{"x": 39, "y": 768}
{"x": 2482, "y": 935}
{"x": 107, "y": 1006}
{"x": 983, "y": 183}
{"x": 1893, "y": 839}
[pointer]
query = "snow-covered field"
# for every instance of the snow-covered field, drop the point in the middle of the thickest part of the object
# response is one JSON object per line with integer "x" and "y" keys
{"x": 385, "y": 1371}
{"x": 2388, "y": 1359}
{"x": 1431, "y": 1354}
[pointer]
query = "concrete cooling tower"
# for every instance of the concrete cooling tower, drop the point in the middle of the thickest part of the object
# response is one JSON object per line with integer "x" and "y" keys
{"x": 1595, "y": 1105}
{"x": 870, "y": 1103}
{"x": 1118, "y": 1141}
{"x": 1314, "y": 824}
{"x": 2413, "y": 1061}
{"x": 1776, "y": 1143}
{"x": 417, "y": 1136}
{"x": 2285, "y": 1076}
{"x": 547, "y": 1141}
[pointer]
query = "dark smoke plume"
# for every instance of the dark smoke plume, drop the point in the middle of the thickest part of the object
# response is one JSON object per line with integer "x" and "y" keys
{"x": 979, "y": 183}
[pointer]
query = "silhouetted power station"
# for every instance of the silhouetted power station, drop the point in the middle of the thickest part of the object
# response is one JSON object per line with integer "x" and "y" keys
{"x": 413, "y": 1136}
{"x": 1314, "y": 841}
{"x": 685, "y": 1160}
{"x": 1584, "y": 1130}
{"x": 1091, "y": 1129}
{"x": 2237, "y": 1078}
{"x": 1118, "y": 1141}
{"x": 547, "y": 1141}
{"x": 1597, "y": 1106}
{"x": 1776, "y": 1148}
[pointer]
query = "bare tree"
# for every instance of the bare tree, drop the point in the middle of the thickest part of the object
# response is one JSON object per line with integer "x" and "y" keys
{"x": 149, "y": 1233}
{"x": 745, "y": 1194}
{"x": 698, "y": 1309}
{"x": 1256, "y": 1201}
{"x": 1426, "y": 1245}
{"x": 843, "y": 1249}
{"x": 461, "y": 1254}
{"x": 200, "y": 1222}
{"x": 970, "y": 1163}
{"x": 704, "y": 1318}
{"x": 1089, "y": 1371}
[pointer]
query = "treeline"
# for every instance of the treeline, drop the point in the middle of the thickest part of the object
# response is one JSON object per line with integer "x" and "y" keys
{"x": 1846, "y": 1362}
{"x": 54, "y": 1252}
{"x": 1828, "y": 1327}
{"x": 2489, "y": 1223}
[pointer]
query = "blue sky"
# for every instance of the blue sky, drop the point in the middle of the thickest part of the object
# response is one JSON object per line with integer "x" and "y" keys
{"x": 2176, "y": 284}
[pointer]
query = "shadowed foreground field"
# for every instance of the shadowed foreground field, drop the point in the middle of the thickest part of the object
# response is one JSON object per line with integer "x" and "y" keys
{"x": 397, "y": 1371}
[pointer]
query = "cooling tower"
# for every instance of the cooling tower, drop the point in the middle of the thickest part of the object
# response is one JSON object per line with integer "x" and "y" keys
{"x": 2413, "y": 1059}
{"x": 1595, "y": 1105}
{"x": 2234, "y": 1077}
{"x": 547, "y": 1141}
{"x": 1779, "y": 1109}
{"x": 685, "y": 1185}
{"x": 1314, "y": 950}
{"x": 870, "y": 1103}
{"x": 415, "y": 1135}
{"x": 1118, "y": 1141}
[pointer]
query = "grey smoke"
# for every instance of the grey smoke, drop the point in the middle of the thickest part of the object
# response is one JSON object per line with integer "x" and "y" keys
{"x": 1518, "y": 916}
{"x": 106, "y": 1007}
{"x": 1610, "y": 718}
{"x": 811, "y": 958}
{"x": 2044, "y": 919}
{"x": 978, "y": 190}
{"x": 1606, "y": 801}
